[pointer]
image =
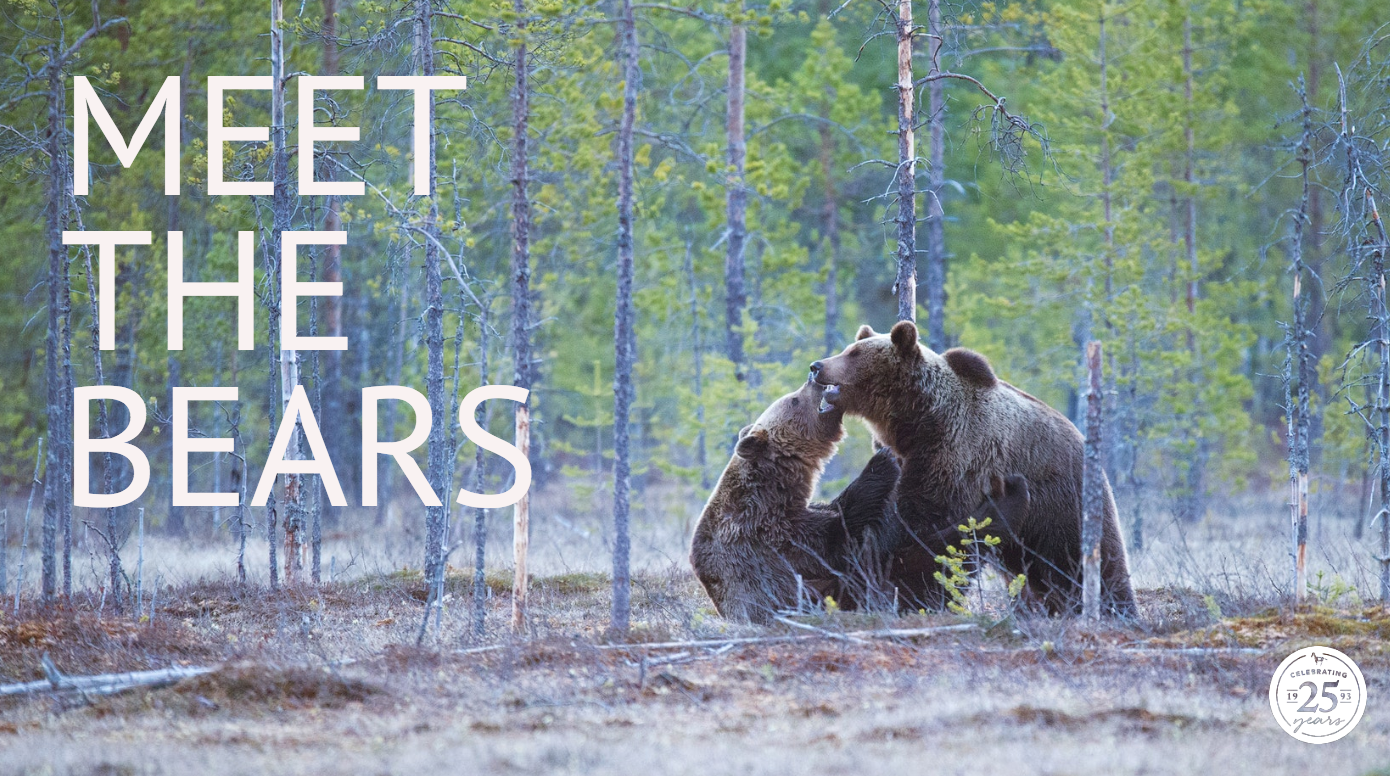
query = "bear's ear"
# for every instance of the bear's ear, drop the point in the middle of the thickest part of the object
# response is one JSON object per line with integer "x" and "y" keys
{"x": 752, "y": 444}
{"x": 904, "y": 336}
{"x": 743, "y": 432}
{"x": 971, "y": 367}
{"x": 865, "y": 332}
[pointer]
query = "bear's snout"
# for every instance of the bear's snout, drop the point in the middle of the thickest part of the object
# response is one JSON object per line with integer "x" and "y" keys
{"x": 815, "y": 369}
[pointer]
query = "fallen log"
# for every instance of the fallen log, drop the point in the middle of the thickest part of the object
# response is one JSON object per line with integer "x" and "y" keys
{"x": 100, "y": 684}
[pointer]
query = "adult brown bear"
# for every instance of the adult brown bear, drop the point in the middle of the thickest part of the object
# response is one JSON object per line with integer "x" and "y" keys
{"x": 760, "y": 531}
{"x": 958, "y": 429}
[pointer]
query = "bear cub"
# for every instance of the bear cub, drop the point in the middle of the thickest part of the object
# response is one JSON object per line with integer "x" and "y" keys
{"x": 759, "y": 530}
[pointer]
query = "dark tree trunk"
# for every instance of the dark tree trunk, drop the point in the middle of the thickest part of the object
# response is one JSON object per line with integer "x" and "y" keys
{"x": 521, "y": 306}
{"x": 479, "y": 481}
{"x": 439, "y": 453}
{"x": 57, "y": 489}
{"x": 623, "y": 334}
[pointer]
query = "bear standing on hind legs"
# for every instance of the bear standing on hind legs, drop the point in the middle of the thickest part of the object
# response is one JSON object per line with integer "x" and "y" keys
{"x": 759, "y": 530}
{"x": 957, "y": 429}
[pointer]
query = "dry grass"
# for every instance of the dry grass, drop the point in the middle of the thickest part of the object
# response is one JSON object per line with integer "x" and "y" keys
{"x": 330, "y": 680}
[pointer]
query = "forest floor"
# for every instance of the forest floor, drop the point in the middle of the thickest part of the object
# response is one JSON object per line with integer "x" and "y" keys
{"x": 330, "y": 680}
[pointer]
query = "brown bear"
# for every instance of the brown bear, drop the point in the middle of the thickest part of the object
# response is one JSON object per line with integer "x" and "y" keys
{"x": 958, "y": 429}
{"x": 759, "y": 530}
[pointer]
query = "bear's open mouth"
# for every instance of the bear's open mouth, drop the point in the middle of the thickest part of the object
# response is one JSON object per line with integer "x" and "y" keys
{"x": 827, "y": 399}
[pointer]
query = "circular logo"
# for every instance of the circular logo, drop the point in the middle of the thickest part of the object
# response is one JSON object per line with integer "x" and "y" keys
{"x": 1317, "y": 695}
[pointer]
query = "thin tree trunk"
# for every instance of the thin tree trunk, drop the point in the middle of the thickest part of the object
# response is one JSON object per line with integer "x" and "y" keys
{"x": 1106, "y": 169}
{"x": 936, "y": 181}
{"x": 24, "y": 527}
{"x": 521, "y": 306}
{"x": 332, "y": 273}
{"x": 57, "y": 490}
{"x": 479, "y": 480}
{"x": 623, "y": 337}
{"x": 439, "y": 452}
{"x": 385, "y": 470}
{"x": 280, "y": 216}
{"x": 1300, "y": 372}
{"x": 316, "y": 507}
{"x": 1093, "y": 486}
{"x": 906, "y": 283}
{"x": 735, "y": 292}
{"x": 1382, "y": 316}
{"x": 1196, "y": 485}
{"x": 113, "y": 553}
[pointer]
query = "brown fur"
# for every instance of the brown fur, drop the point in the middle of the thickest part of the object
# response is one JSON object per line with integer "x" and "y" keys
{"x": 759, "y": 530}
{"x": 958, "y": 429}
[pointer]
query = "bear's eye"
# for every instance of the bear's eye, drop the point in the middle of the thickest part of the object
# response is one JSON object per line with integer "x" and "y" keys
{"x": 796, "y": 402}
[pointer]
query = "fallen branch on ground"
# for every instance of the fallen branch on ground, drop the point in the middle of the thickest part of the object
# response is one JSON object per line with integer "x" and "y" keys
{"x": 857, "y": 636}
{"x": 101, "y": 684}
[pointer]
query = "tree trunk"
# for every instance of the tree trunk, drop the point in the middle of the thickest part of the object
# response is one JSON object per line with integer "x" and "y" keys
{"x": 1299, "y": 375}
{"x": 623, "y": 334}
{"x": 521, "y": 307}
{"x": 439, "y": 453}
{"x": 735, "y": 292}
{"x": 337, "y": 441}
{"x": 936, "y": 181}
{"x": 57, "y": 490}
{"x": 280, "y": 218}
{"x": 906, "y": 283}
{"x": 480, "y": 514}
{"x": 1196, "y": 481}
{"x": 113, "y": 553}
{"x": 1093, "y": 486}
{"x": 386, "y": 470}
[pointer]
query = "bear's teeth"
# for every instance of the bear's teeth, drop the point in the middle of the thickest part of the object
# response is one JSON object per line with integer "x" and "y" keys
{"x": 825, "y": 405}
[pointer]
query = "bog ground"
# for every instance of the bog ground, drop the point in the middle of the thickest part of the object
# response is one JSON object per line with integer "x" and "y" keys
{"x": 330, "y": 680}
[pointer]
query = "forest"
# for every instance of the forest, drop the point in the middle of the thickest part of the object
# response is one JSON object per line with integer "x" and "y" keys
{"x": 653, "y": 217}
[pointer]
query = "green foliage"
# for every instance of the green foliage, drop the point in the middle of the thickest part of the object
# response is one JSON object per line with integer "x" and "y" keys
{"x": 1090, "y": 244}
{"x": 958, "y": 564}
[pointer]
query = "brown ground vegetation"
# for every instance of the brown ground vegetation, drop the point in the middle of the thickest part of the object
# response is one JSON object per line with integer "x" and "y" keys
{"x": 327, "y": 679}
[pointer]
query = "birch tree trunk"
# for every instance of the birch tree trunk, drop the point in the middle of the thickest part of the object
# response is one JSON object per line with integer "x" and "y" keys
{"x": 1093, "y": 486}
{"x": 623, "y": 326}
{"x": 735, "y": 291}
{"x": 906, "y": 283}
{"x": 521, "y": 307}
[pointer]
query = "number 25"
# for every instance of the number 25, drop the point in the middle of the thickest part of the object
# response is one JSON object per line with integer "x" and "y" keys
{"x": 1327, "y": 687}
